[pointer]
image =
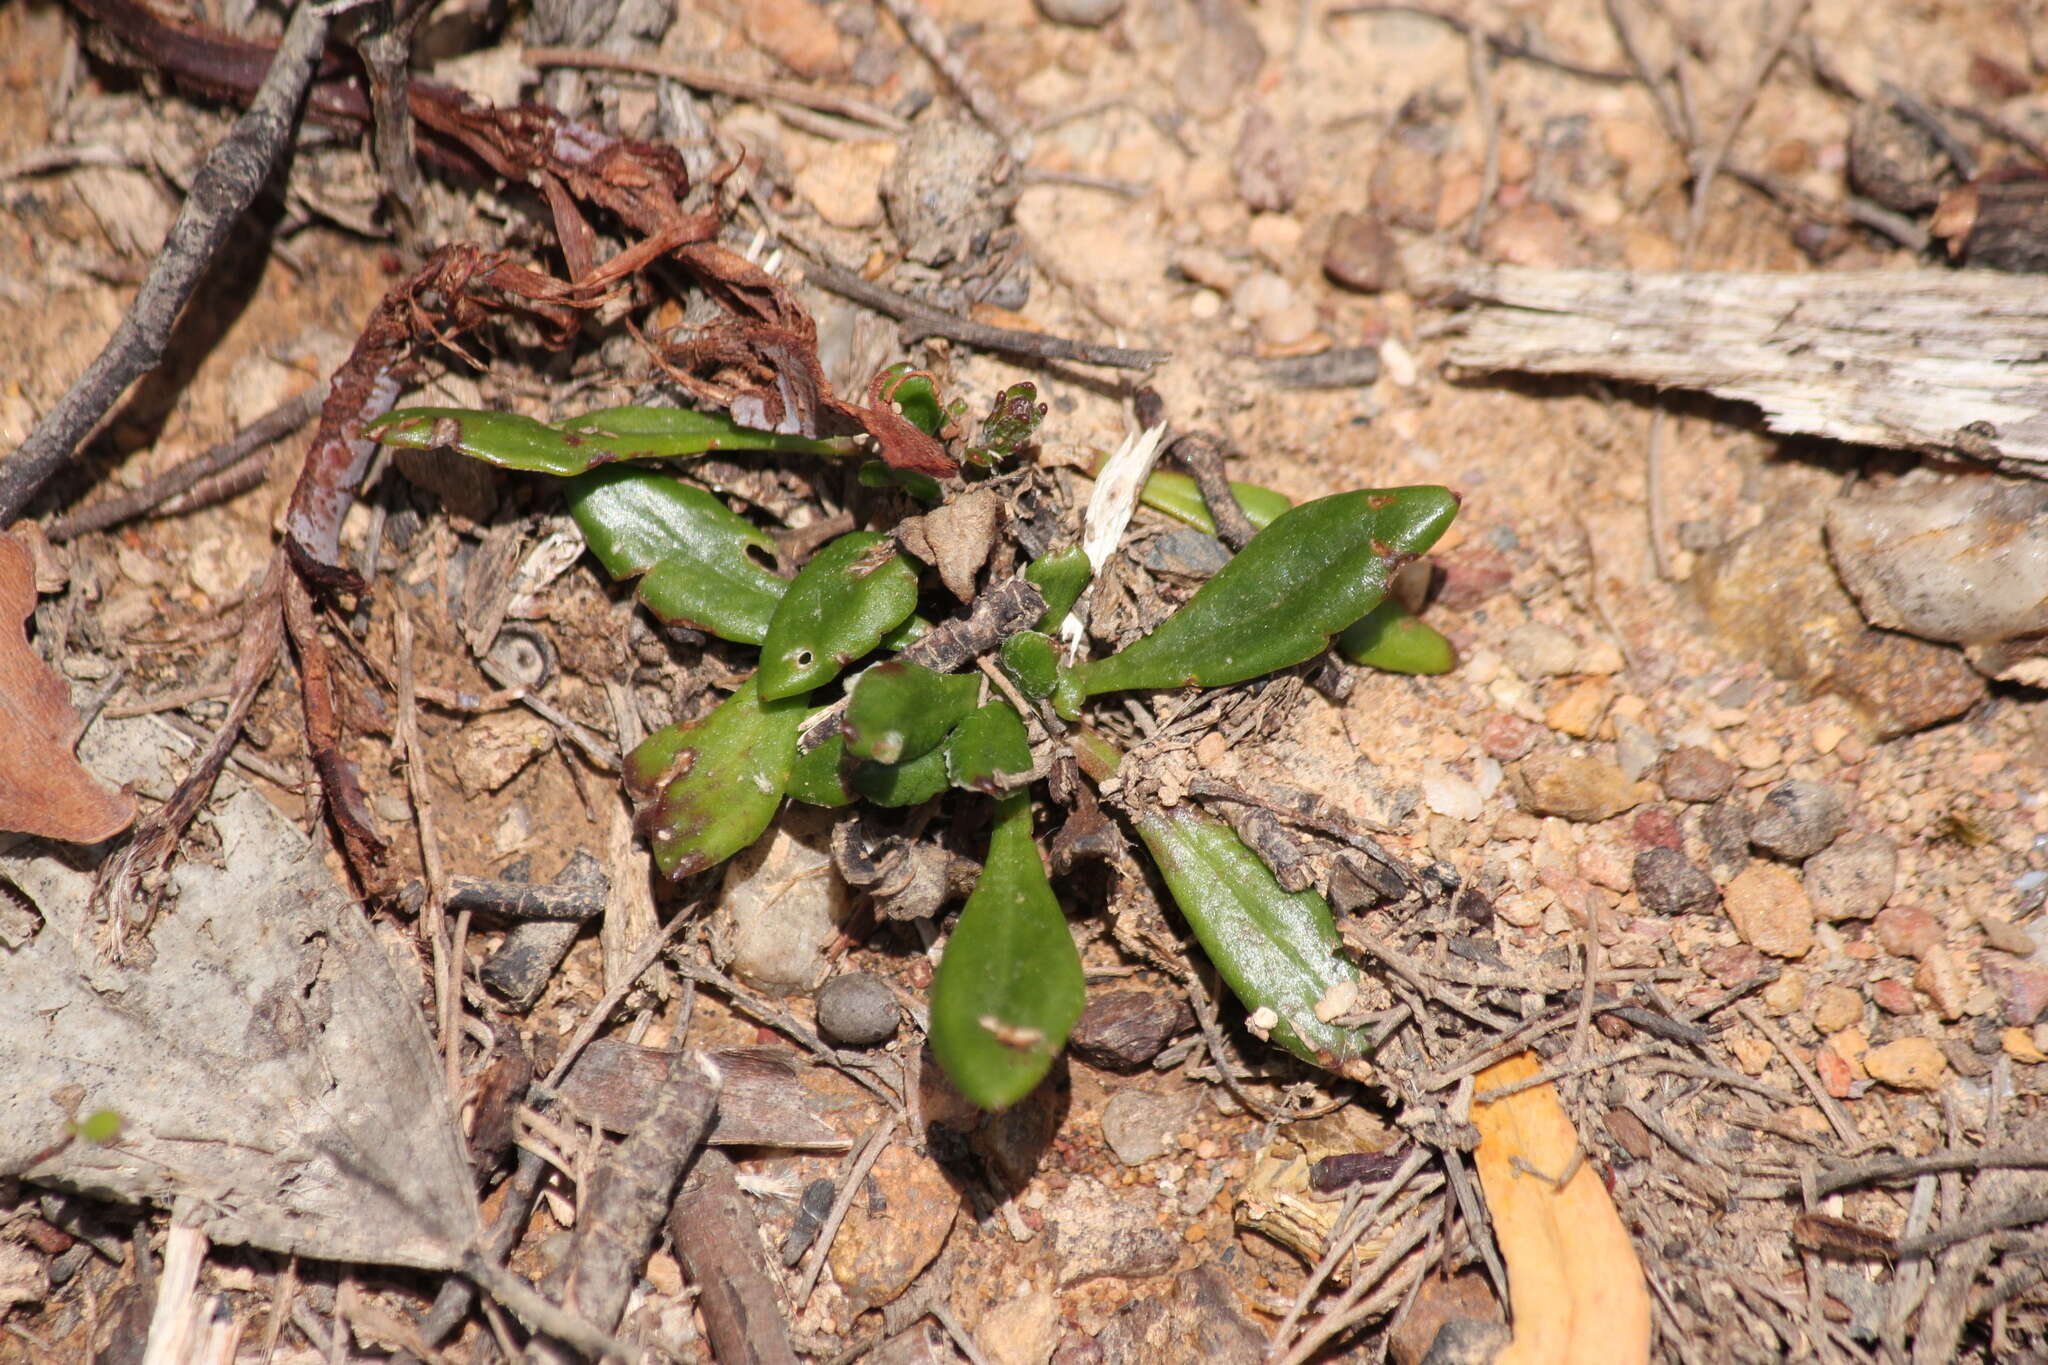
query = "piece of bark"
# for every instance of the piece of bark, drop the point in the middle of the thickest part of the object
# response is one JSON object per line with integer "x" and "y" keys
{"x": 621, "y": 1208}
{"x": 1951, "y": 360}
{"x": 524, "y": 900}
{"x": 762, "y": 1104}
{"x": 524, "y": 963}
{"x": 716, "y": 1237}
{"x": 1999, "y": 221}
{"x": 1124, "y": 1030}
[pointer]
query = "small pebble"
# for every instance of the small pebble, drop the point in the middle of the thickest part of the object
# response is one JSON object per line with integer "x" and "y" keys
{"x": 2006, "y": 936}
{"x": 857, "y": 1009}
{"x": 1798, "y": 819}
{"x": 1507, "y": 737}
{"x": 1852, "y": 878}
{"x": 1140, "y": 1126}
{"x": 1577, "y": 788}
{"x": 1827, "y": 738}
{"x": 1635, "y": 747}
{"x": 1082, "y": 13}
{"x": 2021, "y": 989}
{"x": 1578, "y": 712}
{"x": 1893, "y": 996}
{"x": 1770, "y": 911}
{"x": 1836, "y": 1008}
{"x": 1362, "y": 255}
{"x": 1261, "y": 294}
{"x": 1537, "y": 650}
{"x": 2019, "y": 1045}
{"x": 1656, "y": 827}
{"x": 1667, "y": 884}
{"x": 1907, "y": 930}
{"x": 1908, "y": 1064}
{"x": 1695, "y": 774}
{"x": 1724, "y": 826}
{"x": 1759, "y": 752}
{"x": 1785, "y": 995}
{"x": 1448, "y": 794}
{"x": 1940, "y": 978}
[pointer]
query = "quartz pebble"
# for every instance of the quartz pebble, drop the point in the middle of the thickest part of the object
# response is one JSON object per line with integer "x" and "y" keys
{"x": 1667, "y": 884}
{"x": 1940, "y": 978}
{"x": 1770, "y": 911}
{"x": 1536, "y": 650}
{"x": 1852, "y": 878}
{"x": 1908, "y": 1064}
{"x": 1798, "y": 819}
{"x": 1140, "y": 1126}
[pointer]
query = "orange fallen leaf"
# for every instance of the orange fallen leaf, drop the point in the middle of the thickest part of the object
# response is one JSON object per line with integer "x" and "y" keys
{"x": 43, "y": 790}
{"x": 1575, "y": 1287}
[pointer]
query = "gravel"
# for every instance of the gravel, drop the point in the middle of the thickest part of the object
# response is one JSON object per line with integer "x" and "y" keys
{"x": 857, "y": 1010}
{"x": 1798, "y": 820}
{"x": 1668, "y": 884}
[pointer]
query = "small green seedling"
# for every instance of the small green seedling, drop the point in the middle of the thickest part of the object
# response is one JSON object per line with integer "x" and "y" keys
{"x": 892, "y": 732}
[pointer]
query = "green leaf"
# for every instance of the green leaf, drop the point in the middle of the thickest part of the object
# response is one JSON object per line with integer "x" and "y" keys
{"x": 989, "y": 752}
{"x": 1031, "y": 660}
{"x": 511, "y": 441}
{"x": 819, "y": 777}
{"x": 898, "y": 711}
{"x": 914, "y": 394}
{"x": 639, "y": 433}
{"x": 1313, "y": 572}
{"x": 1009, "y": 987}
{"x": 1395, "y": 639}
{"x": 911, "y": 783}
{"x": 693, "y": 550}
{"x": 923, "y": 487}
{"x": 853, "y": 592}
{"x": 101, "y": 1126}
{"x": 1062, "y": 577}
{"x": 1180, "y": 497}
{"x": 707, "y": 789}
{"x": 1278, "y": 949}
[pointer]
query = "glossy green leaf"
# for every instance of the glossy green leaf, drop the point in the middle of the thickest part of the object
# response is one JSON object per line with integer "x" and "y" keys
{"x": 898, "y": 711}
{"x": 1314, "y": 571}
{"x": 1393, "y": 638}
{"x": 1278, "y": 949}
{"x": 1180, "y": 497}
{"x": 912, "y": 393}
{"x": 853, "y": 593}
{"x": 1010, "y": 986}
{"x": 906, "y": 635}
{"x": 691, "y": 551}
{"x": 511, "y": 441}
{"x": 989, "y": 752}
{"x": 819, "y": 777}
{"x": 707, "y": 789}
{"x": 1062, "y": 577}
{"x": 911, "y": 783}
{"x": 1031, "y": 660}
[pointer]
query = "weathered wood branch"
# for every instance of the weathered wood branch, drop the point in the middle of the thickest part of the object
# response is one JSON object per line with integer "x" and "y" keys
{"x": 1955, "y": 361}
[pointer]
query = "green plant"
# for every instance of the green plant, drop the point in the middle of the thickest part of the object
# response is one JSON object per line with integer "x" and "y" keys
{"x": 895, "y": 733}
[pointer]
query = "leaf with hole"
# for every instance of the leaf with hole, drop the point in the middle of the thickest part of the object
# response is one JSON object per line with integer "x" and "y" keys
{"x": 708, "y": 788}
{"x": 898, "y": 711}
{"x": 840, "y": 606}
{"x": 1009, "y": 987}
{"x": 1314, "y": 571}
{"x": 693, "y": 554}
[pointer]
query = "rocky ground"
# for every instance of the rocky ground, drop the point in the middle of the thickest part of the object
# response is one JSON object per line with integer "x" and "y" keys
{"x": 1689, "y": 770}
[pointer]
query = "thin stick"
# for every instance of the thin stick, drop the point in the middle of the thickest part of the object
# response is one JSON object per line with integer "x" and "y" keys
{"x": 279, "y": 422}
{"x": 1838, "y": 1117}
{"x": 1901, "y": 1167}
{"x": 222, "y": 190}
{"x": 1347, "y": 1235}
{"x": 530, "y": 1306}
{"x": 863, "y": 1161}
{"x": 1489, "y": 133}
{"x": 1345, "y": 1316}
{"x": 433, "y": 922}
{"x": 719, "y": 83}
{"x": 594, "y": 1020}
{"x": 926, "y": 320}
{"x": 1506, "y": 47}
{"x": 986, "y": 105}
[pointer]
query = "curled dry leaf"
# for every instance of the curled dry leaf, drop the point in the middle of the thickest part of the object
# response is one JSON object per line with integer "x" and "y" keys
{"x": 43, "y": 789}
{"x": 1574, "y": 1284}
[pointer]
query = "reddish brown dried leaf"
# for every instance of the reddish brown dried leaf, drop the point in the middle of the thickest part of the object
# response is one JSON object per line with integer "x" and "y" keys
{"x": 43, "y": 789}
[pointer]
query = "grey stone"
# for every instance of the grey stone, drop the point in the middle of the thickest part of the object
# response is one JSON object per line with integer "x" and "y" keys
{"x": 1082, "y": 13}
{"x": 1668, "y": 884}
{"x": 1098, "y": 1232}
{"x": 857, "y": 1009}
{"x": 1798, "y": 819}
{"x": 1724, "y": 827}
{"x": 1140, "y": 1126}
{"x": 1853, "y": 878}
